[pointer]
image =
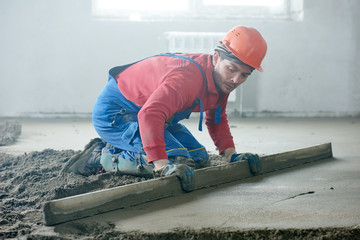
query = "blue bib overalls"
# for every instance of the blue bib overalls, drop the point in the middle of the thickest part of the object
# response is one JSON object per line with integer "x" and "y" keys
{"x": 115, "y": 120}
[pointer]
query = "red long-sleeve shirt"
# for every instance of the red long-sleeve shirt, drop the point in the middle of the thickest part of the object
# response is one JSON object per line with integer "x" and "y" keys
{"x": 165, "y": 85}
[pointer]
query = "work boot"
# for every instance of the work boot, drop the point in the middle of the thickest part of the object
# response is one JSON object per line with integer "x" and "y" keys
{"x": 182, "y": 160}
{"x": 202, "y": 163}
{"x": 86, "y": 162}
{"x": 94, "y": 166}
{"x": 201, "y": 158}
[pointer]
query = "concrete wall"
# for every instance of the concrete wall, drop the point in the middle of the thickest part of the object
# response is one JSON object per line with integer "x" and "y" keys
{"x": 54, "y": 58}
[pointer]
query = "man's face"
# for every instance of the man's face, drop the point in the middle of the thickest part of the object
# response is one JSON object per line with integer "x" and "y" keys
{"x": 228, "y": 75}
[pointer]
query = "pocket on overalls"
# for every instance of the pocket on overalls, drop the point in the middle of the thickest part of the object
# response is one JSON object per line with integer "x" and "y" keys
{"x": 126, "y": 125}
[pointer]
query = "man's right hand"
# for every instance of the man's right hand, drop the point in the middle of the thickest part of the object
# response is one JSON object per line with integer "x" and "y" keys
{"x": 185, "y": 174}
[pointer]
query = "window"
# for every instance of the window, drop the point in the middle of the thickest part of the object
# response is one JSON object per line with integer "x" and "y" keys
{"x": 197, "y": 10}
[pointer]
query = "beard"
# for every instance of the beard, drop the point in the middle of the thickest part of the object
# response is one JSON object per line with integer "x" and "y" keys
{"x": 221, "y": 85}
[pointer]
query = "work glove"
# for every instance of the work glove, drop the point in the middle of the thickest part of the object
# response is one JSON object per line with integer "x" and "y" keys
{"x": 253, "y": 160}
{"x": 185, "y": 174}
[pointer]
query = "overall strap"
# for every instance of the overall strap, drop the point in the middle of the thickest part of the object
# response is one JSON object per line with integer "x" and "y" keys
{"x": 198, "y": 100}
{"x": 182, "y": 57}
{"x": 116, "y": 70}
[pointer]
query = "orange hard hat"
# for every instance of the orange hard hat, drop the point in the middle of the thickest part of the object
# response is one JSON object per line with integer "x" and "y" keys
{"x": 246, "y": 44}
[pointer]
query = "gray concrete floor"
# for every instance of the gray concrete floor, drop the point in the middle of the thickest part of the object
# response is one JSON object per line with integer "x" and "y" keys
{"x": 321, "y": 194}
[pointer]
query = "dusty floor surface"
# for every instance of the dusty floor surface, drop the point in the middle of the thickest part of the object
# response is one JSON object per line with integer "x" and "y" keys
{"x": 28, "y": 180}
{"x": 9, "y": 132}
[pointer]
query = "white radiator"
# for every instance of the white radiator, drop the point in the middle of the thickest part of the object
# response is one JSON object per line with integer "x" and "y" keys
{"x": 193, "y": 42}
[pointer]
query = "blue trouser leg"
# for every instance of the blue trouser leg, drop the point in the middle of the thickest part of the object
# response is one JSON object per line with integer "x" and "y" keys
{"x": 115, "y": 119}
{"x": 185, "y": 140}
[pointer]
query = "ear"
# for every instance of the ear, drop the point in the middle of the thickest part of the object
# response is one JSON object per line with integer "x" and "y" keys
{"x": 216, "y": 58}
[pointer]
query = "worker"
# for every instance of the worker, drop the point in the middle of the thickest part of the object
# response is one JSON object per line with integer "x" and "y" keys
{"x": 137, "y": 114}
